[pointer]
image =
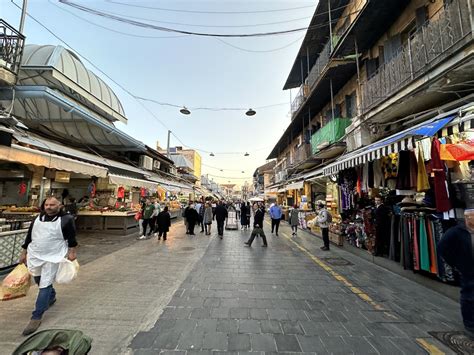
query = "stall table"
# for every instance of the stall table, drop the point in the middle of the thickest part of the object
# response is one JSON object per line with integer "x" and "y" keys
{"x": 110, "y": 222}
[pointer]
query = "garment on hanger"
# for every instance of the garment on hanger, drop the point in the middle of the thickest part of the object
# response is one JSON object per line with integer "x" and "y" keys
{"x": 422, "y": 182}
{"x": 379, "y": 176}
{"x": 441, "y": 192}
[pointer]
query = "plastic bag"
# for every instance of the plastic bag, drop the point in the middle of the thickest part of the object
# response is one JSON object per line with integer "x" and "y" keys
{"x": 67, "y": 271}
{"x": 16, "y": 284}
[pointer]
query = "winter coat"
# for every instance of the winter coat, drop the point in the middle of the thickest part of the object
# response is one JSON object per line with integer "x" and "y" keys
{"x": 294, "y": 219}
{"x": 244, "y": 215}
{"x": 258, "y": 217}
{"x": 220, "y": 213}
{"x": 164, "y": 221}
{"x": 207, "y": 215}
{"x": 191, "y": 215}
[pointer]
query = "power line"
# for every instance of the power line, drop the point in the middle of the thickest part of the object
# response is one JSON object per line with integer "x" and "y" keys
{"x": 116, "y": 83}
{"x": 259, "y": 51}
{"x": 210, "y": 12}
{"x": 204, "y": 34}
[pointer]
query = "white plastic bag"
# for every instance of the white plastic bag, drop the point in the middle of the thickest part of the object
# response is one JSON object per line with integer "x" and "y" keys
{"x": 67, "y": 271}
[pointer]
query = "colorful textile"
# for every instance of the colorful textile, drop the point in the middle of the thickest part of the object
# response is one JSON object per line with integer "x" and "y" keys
{"x": 424, "y": 252}
{"x": 443, "y": 204}
{"x": 422, "y": 182}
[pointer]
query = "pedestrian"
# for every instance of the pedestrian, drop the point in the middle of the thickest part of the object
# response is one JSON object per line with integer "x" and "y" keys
{"x": 257, "y": 231}
{"x": 237, "y": 209}
{"x": 185, "y": 211}
{"x": 382, "y": 225}
{"x": 275, "y": 215}
{"x": 192, "y": 217}
{"x": 243, "y": 216}
{"x": 294, "y": 220}
{"x": 147, "y": 217}
{"x": 457, "y": 249}
{"x": 220, "y": 215}
{"x": 207, "y": 218}
{"x": 164, "y": 223}
{"x": 249, "y": 213}
{"x": 51, "y": 237}
{"x": 258, "y": 216}
{"x": 154, "y": 217}
{"x": 71, "y": 207}
{"x": 200, "y": 210}
{"x": 323, "y": 219}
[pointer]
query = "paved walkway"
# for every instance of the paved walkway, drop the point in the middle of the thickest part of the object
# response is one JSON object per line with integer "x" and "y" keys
{"x": 206, "y": 295}
{"x": 289, "y": 298}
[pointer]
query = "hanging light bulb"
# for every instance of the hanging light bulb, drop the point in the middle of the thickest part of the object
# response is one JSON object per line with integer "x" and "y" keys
{"x": 222, "y": 170}
{"x": 212, "y": 154}
{"x": 246, "y": 154}
{"x": 243, "y": 172}
{"x": 185, "y": 111}
{"x": 250, "y": 112}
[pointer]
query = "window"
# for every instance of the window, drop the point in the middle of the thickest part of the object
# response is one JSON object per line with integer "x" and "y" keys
{"x": 421, "y": 17}
{"x": 351, "y": 105}
{"x": 371, "y": 66}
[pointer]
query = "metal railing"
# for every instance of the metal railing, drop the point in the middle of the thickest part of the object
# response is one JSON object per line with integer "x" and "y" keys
{"x": 422, "y": 51}
{"x": 313, "y": 76}
{"x": 301, "y": 153}
{"x": 11, "y": 47}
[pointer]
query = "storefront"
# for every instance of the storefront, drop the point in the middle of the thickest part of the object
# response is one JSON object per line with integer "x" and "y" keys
{"x": 395, "y": 198}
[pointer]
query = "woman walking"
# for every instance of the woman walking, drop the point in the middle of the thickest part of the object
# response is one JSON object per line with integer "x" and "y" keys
{"x": 207, "y": 218}
{"x": 294, "y": 220}
{"x": 248, "y": 213}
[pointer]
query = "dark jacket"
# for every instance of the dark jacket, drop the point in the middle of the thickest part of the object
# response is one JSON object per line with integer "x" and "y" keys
{"x": 164, "y": 221}
{"x": 220, "y": 213}
{"x": 258, "y": 218}
{"x": 191, "y": 215}
{"x": 244, "y": 218}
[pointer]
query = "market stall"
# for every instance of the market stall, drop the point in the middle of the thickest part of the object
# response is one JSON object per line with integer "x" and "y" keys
{"x": 397, "y": 197}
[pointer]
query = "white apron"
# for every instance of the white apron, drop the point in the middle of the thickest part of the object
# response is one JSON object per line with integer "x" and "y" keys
{"x": 46, "y": 250}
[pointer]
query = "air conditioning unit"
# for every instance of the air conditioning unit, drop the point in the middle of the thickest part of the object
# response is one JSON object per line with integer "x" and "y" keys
{"x": 156, "y": 164}
{"x": 145, "y": 162}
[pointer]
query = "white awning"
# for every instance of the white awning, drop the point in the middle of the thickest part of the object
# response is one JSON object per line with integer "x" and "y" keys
{"x": 281, "y": 190}
{"x": 133, "y": 182}
{"x": 295, "y": 185}
{"x": 24, "y": 155}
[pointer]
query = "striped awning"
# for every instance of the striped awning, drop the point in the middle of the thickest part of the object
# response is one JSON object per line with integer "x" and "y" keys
{"x": 369, "y": 153}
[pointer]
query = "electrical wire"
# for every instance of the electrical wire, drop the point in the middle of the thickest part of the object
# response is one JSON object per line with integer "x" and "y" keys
{"x": 260, "y": 51}
{"x": 118, "y": 84}
{"x": 204, "y": 34}
{"x": 110, "y": 29}
{"x": 209, "y": 12}
{"x": 229, "y": 177}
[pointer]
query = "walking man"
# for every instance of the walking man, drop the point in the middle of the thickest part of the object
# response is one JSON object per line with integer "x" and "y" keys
{"x": 164, "y": 223}
{"x": 220, "y": 215}
{"x": 192, "y": 217}
{"x": 323, "y": 219}
{"x": 147, "y": 218}
{"x": 294, "y": 220}
{"x": 257, "y": 231}
{"x": 50, "y": 238}
{"x": 258, "y": 216}
{"x": 457, "y": 249}
{"x": 275, "y": 215}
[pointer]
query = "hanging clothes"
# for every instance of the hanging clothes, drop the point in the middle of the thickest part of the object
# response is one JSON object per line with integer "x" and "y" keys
{"x": 422, "y": 182}
{"x": 370, "y": 182}
{"x": 441, "y": 192}
{"x": 407, "y": 173}
{"x": 424, "y": 251}
{"x": 379, "y": 176}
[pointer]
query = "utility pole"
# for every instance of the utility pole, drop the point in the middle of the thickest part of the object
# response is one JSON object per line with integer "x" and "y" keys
{"x": 168, "y": 145}
{"x": 23, "y": 15}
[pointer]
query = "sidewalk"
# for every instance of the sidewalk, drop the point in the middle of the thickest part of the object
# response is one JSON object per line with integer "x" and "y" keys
{"x": 114, "y": 296}
{"x": 293, "y": 297}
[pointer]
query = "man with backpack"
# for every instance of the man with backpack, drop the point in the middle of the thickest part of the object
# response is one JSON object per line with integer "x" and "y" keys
{"x": 324, "y": 219}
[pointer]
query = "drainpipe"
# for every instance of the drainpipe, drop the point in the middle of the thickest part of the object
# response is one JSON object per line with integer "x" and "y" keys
{"x": 330, "y": 24}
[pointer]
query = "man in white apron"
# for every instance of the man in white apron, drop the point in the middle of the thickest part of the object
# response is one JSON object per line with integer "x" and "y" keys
{"x": 50, "y": 239}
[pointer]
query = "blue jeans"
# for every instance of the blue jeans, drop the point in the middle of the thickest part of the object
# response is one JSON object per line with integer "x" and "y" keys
{"x": 46, "y": 296}
{"x": 456, "y": 249}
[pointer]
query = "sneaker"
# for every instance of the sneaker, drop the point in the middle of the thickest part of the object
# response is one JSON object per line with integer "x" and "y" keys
{"x": 247, "y": 244}
{"x": 325, "y": 249}
{"x": 52, "y": 302}
{"x": 276, "y": 234}
{"x": 142, "y": 237}
{"x": 32, "y": 326}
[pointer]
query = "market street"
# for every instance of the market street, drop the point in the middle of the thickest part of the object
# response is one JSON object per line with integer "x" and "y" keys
{"x": 203, "y": 294}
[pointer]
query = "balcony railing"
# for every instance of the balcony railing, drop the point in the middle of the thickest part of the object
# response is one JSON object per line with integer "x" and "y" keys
{"x": 422, "y": 51}
{"x": 300, "y": 98}
{"x": 330, "y": 133}
{"x": 301, "y": 153}
{"x": 11, "y": 47}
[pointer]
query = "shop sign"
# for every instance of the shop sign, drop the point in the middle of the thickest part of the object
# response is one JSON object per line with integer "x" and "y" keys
{"x": 62, "y": 176}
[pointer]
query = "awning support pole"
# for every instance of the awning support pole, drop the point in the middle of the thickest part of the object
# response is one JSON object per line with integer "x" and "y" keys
{"x": 359, "y": 107}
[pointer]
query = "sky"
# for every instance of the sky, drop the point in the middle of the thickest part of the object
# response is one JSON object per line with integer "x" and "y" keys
{"x": 187, "y": 70}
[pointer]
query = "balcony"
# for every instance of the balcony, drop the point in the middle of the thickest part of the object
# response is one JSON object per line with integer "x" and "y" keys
{"x": 300, "y": 98}
{"x": 11, "y": 49}
{"x": 330, "y": 133}
{"x": 437, "y": 41}
{"x": 301, "y": 153}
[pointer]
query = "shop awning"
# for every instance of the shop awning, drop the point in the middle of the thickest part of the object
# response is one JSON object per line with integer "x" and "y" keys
{"x": 281, "y": 190}
{"x": 393, "y": 144}
{"x": 132, "y": 182}
{"x": 295, "y": 185}
{"x": 24, "y": 155}
{"x": 314, "y": 174}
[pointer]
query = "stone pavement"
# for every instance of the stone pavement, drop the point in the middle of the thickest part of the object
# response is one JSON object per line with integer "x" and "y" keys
{"x": 289, "y": 298}
{"x": 116, "y": 295}
{"x": 206, "y": 295}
